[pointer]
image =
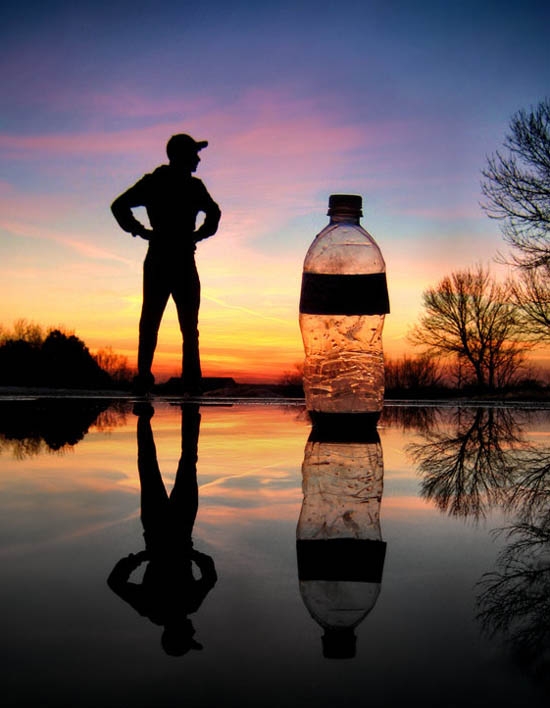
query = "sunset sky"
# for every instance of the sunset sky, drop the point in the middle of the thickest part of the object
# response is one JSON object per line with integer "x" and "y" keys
{"x": 400, "y": 102}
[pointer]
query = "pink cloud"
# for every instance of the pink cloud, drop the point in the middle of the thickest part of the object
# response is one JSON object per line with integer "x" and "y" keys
{"x": 35, "y": 207}
{"x": 85, "y": 143}
{"x": 269, "y": 148}
{"x": 446, "y": 213}
{"x": 121, "y": 102}
{"x": 260, "y": 124}
{"x": 271, "y": 152}
{"x": 86, "y": 249}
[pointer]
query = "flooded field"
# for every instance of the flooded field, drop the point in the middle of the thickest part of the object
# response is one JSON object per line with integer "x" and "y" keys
{"x": 155, "y": 554}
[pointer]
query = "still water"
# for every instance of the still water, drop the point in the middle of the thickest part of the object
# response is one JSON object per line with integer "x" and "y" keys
{"x": 408, "y": 565}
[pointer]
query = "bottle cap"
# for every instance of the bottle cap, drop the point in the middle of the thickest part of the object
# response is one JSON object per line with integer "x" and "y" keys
{"x": 345, "y": 204}
{"x": 339, "y": 643}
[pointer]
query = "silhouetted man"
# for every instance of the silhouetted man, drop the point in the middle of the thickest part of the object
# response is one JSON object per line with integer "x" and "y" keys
{"x": 169, "y": 591}
{"x": 173, "y": 198}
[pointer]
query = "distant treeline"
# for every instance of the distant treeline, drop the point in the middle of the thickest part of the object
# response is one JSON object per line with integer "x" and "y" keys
{"x": 424, "y": 377}
{"x": 33, "y": 357}
{"x": 29, "y": 356}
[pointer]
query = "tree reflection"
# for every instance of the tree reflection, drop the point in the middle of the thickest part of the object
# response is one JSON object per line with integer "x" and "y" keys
{"x": 514, "y": 600}
{"x": 31, "y": 427}
{"x": 484, "y": 461}
{"x": 530, "y": 493}
{"x": 422, "y": 418}
{"x": 470, "y": 469}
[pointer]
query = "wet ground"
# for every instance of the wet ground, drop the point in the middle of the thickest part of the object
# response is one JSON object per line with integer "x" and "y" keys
{"x": 408, "y": 564}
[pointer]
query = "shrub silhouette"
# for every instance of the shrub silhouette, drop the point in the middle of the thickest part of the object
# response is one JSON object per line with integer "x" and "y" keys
{"x": 59, "y": 361}
{"x": 19, "y": 363}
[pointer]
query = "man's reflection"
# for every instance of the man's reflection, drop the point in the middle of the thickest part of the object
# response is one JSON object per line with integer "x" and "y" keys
{"x": 339, "y": 546}
{"x": 169, "y": 591}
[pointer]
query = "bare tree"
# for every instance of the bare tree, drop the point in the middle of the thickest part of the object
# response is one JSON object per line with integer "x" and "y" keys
{"x": 26, "y": 331}
{"x": 471, "y": 319}
{"x": 293, "y": 377}
{"x": 531, "y": 292}
{"x": 116, "y": 365}
{"x": 412, "y": 374}
{"x": 516, "y": 187}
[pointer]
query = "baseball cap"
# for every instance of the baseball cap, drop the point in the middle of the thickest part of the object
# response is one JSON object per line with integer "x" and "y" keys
{"x": 183, "y": 143}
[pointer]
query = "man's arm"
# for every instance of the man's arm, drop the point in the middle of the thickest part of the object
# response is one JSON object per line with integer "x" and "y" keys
{"x": 119, "y": 577}
{"x": 207, "y": 568}
{"x": 122, "y": 210}
{"x": 211, "y": 220}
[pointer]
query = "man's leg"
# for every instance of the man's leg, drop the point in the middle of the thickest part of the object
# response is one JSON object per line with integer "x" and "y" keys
{"x": 187, "y": 296}
{"x": 156, "y": 292}
{"x": 154, "y": 499}
{"x": 184, "y": 498}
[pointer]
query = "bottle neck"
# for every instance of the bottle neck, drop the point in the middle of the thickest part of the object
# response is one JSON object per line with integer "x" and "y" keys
{"x": 344, "y": 219}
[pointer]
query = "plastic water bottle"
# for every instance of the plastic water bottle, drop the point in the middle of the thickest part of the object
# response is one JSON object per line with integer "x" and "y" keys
{"x": 338, "y": 538}
{"x": 343, "y": 301}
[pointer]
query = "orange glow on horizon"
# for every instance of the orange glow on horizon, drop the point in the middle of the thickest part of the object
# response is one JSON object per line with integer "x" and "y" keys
{"x": 249, "y": 471}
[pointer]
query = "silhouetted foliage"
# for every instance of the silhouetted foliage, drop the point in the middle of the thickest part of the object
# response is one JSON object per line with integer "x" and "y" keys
{"x": 67, "y": 363}
{"x": 58, "y": 360}
{"x": 20, "y": 363}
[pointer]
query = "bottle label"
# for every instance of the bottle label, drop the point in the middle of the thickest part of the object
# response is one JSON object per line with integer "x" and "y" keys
{"x": 341, "y": 559}
{"x": 328, "y": 294}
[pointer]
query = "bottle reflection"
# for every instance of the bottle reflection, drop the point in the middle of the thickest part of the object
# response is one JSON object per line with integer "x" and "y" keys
{"x": 339, "y": 546}
{"x": 169, "y": 591}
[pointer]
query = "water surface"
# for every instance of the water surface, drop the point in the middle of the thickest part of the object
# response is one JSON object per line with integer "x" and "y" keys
{"x": 443, "y": 608}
